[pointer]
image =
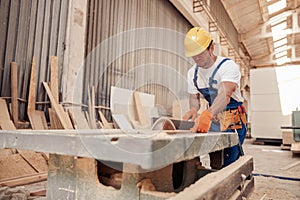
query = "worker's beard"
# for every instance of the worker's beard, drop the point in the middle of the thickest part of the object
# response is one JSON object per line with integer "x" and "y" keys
{"x": 207, "y": 63}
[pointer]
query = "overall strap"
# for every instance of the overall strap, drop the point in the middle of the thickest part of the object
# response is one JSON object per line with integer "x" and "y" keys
{"x": 195, "y": 78}
{"x": 211, "y": 79}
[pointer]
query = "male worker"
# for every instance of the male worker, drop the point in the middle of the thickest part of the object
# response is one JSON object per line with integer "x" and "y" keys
{"x": 217, "y": 79}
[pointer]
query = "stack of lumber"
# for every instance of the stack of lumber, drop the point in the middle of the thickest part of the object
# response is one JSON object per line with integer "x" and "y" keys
{"x": 288, "y": 142}
{"x": 22, "y": 167}
{"x": 19, "y": 167}
{"x": 295, "y": 147}
{"x": 132, "y": 109}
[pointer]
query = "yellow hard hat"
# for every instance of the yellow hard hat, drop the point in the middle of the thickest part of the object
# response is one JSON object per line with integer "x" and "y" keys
{"x": 196, "y": 41}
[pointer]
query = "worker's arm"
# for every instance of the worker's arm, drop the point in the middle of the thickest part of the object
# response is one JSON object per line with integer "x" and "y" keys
{"x": 223, "y": 98}
{"x": 225, "y": 91}
{"x": 194, "y": 107}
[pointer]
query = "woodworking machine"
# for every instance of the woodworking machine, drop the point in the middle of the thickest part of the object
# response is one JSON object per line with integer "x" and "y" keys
{"x": 116, "y": 164}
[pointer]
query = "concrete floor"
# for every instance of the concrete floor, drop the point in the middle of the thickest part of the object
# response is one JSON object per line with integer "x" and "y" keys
{"x": 271, "y": 160}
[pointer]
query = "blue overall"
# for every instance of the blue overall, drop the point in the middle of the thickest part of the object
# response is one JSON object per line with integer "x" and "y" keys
{"x": 231, "y": 154}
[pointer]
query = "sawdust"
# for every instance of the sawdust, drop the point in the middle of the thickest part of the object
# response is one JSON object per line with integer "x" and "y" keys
{"x": 268, "y": 188}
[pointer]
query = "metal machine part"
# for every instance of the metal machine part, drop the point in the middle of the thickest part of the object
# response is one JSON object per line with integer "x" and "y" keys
{"x": 296, "y": 123}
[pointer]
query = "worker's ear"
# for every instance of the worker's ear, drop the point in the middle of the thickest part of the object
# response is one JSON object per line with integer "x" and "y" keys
{"x": 211, "y": 48}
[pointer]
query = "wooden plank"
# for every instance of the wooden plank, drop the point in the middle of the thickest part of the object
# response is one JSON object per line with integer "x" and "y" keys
{"x": 66, "y": 122}
{"x": 105, "y": 123}
{"x": 71, "y": 114}
{"x": 14, "y": 93}
{"x": 99, "y": 124}
{"x": 287, "y": 137}
{"x": 54, "y": 77}
{"x": 41, "y": 192}
{"x": 176, "y": 110}
{"x": 45, "y": 156}
{"x": 54, "y": 121}
{"x": 295, "y": 148}
{"x": 159, "y": 123}
{"x": 79, "y": 119}
{"x": 35, "y": 160}
{"x": 176, "y": 131}
{"x": 66, "y": 117}
{"x": 14, "y": 166}
{"x": 38, "y": 120}
{"x": 23, "y": 180}
{"x": 7, "y": 125}
{"x": 36, "y": 189}
{"x": 180, "y": 107}
{"x": 5, "y": 121}
{"x": 122, "y": 102}
{"x": 122, "y": 122}
{"x": 52, "y": 117}
{"x": 140, "y": 111}
{"x": 4, "y": 114}
{"x": 32, "y": 87}
{"x": 246, "y": 189}
{"x": 86, "y": 114}
{"x": 4, "y": 153}
{"x": 285, "y": 146}
{"x": 221, "y": 184}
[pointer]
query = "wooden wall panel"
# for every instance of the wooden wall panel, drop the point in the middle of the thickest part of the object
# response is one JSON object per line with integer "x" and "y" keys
{"x": 38, "y": 28}
{"x": 119, "y": 53}
{"x": 31, "y": 28}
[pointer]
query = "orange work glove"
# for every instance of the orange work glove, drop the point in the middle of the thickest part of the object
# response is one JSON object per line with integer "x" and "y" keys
{"x": 204, "y": 121}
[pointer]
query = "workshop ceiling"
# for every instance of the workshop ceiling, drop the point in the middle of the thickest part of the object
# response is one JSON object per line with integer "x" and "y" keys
{"x": 266, "y": 38}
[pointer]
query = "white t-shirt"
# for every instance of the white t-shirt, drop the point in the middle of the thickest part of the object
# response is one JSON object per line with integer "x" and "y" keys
{"x": 229, "y": 71}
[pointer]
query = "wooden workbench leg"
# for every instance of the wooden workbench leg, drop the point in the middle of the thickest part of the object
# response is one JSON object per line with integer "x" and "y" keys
{"x": 216, "y": 159}
{"x": 61, "y": 176}
{"x": 76, "y": 178}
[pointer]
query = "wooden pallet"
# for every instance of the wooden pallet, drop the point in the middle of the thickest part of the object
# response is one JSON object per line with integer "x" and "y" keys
{"x": 285, "y": 146}
{"x": 264, "y": 141}
{"x": 295, "y": 147}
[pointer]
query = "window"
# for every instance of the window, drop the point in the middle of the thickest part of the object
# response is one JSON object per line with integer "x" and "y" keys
{"x": 272, "y": 8}
{"x": 280, "y": 49}
{"x": 281, "y": 54}
{"x": 280, "y": 42}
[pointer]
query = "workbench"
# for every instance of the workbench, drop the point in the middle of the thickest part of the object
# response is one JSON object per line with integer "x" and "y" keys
{"x": 76, "y": 158}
